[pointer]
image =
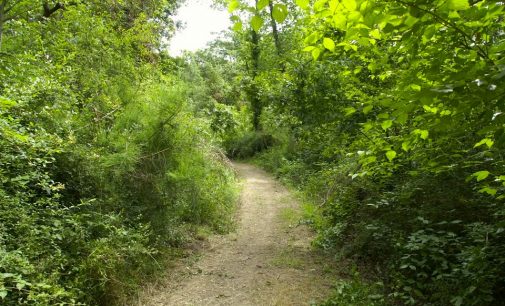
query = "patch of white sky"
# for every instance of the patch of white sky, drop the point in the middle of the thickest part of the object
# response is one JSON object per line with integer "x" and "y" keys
{"x": 202, "y": 24}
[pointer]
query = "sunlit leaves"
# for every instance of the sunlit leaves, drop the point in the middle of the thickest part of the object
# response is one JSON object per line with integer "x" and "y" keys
{"x": 329, "y": 44}
{"x": 320, "y": 5}
{"x": 340, "y": 21}
{"x": 406, "y": 146}
{"x": 280, "y": 12}
{"x": 367, "y": 109}
{"x": 233, "y": 5}
{"x": 375, "y": 34}
{"x": 349, "y": 111}
{"x": 458, "y": 5}
{"x": 312, "y": 38}
{"x": 430, "y": 109}
{"x": 488, "y": 190}
{"x": 422, "y": 133}
{"x": 488, "y": 142}
{"x": 481, "y": 175}
{"x": 419, "y": 87}
{"x": 415, "y": 87}
{"x": 386, "y": 124}
{"x": 6, "y": 103}
{"x": 350, "y": 4}
{"x": 368, "y": 160}
{"x": 391, "y": 155}
{"x": 256, "y": 23}
{"x": 303, "y": 4}
{"x": 262, "y": 4}
{"x": 237, "y": 26}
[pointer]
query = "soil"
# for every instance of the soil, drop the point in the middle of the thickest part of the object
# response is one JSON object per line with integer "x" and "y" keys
{"x": 268, "y": 260}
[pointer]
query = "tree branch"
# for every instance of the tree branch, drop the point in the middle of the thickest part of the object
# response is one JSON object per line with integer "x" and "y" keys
{"x": 452, "y": 25}
{"x": 11, "y": 6}
{"x": 48, "y": 11}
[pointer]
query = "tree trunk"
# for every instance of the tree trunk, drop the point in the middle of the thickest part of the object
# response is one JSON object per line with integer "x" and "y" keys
{"x": 255, "y": 101}
{"x": 275, "y": 32}
{"x": 253, "y": 90}
{"x": 1, "y": 32}
{"x": 2, "y": 12}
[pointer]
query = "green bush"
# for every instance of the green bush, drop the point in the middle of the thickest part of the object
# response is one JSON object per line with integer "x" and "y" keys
{"x": 249, "y": 144}
{"x": 81, "y": 223}
{"x": 357, "y": 293}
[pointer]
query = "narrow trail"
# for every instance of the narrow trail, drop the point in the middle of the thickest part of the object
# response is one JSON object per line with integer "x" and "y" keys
{"x": 267, "y": 261}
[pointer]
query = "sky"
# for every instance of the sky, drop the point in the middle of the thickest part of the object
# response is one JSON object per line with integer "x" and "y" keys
{"x": 202, "y": 25}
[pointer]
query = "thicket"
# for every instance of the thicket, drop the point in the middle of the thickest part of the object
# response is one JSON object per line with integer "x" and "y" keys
{"x": 105, "y": 160}
{"x": 389, "y": 116}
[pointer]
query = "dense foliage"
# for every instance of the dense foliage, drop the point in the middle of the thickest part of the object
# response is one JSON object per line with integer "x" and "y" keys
{"x": 105, "y": 163}
{"x": 388, "y": 114}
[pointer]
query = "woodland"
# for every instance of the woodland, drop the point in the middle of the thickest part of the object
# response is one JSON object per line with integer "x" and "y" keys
{"x": 386, "y": 116}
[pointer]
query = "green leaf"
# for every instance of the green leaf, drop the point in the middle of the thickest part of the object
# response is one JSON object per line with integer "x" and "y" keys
{"x": 356, "y": 17}
{"x": 237, "y": 26}
{"x": 319, "y": 5}
{"x": 280, "y": 12}
{"x": 20, "y": 285}
{"x": 457, "y": 301}
{"x": 488, "y": 142}
{"x": 3, "y": 293}
{"x": 315, "y": 53}
{"x": 458, "y": 5}
{"x": 429, "y": 109}
{"x": 406, "y": 146}
{"x": 349, "y": 4}
{"x": 303, "y": 4}
{"x": 262, "y": 4}
{"x": 386, "y": 124}
{"x": 257, "y": 23}
{"x": 234, "y": 4}
{"x": 375, "y": 34}
{"x": 16, "y": 135}
{"x": 340, "y": 21}
{"x": 481, "y": 175}
{"x": 368, "y": 160}
{"x": 6, "y": 103}
{"x": 349, "y": 111}
{"x": 367, "y": 126}
{"x": 312, "y": 38}
{"x": 488, "y": 190}
{"x": 422, "y": 133}
{"x": 367, "y": 109}
{"x": 415, "y": 87}
{"x": 391, "y": 155}
{"x": 308, "y": 49}
{"x": 402, "y": 117}
{"x": 329, "y": 44}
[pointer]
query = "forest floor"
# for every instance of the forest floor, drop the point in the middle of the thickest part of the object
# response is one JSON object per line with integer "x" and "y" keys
{"x": 267, "y": 260}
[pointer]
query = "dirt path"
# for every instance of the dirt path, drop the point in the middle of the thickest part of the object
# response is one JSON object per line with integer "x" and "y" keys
{"x": 267, "y": 261}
